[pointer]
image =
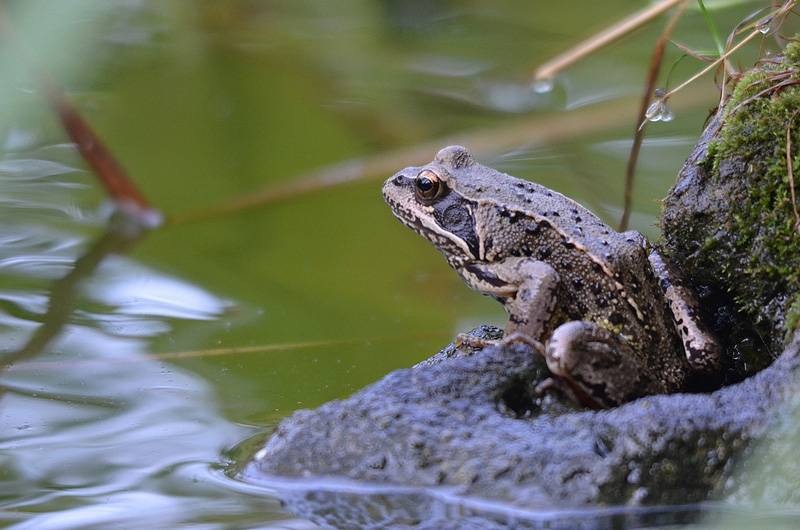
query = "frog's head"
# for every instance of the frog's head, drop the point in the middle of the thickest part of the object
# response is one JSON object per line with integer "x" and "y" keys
{"x": 430, "y": 201}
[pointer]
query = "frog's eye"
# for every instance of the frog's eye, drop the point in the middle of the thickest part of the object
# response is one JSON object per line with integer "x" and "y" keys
{"x": 429, "y": 185}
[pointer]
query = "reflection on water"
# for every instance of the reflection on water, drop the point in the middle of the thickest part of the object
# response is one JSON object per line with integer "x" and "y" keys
{"x": 355, "y": 505}
{"x": 90, "y": 421}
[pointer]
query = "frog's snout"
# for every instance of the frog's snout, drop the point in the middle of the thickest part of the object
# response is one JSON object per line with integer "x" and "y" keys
{"x": 400, "y": 180}
{"x": 388, "y": 185}
{"x": 394, "y": 186}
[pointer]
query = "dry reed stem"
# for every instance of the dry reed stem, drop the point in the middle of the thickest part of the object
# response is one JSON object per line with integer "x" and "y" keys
{"x": 541, "y": 131}
{"x": 711, "y": 66}
{"x": 216, "y": 352}
{"x": 655, "y": 66}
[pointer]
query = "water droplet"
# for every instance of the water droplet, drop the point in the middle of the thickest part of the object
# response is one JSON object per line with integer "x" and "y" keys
{"x": 666, "y": 114}
{"x": 543, "y": 86}
{"x": 764, "y": 25}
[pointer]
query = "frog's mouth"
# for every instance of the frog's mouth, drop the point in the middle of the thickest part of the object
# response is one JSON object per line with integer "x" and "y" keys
{"x": 447, "y": 224}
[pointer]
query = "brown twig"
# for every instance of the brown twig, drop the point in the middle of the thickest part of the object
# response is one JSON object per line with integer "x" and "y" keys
{"x": 770, "y": 88}
{"x": 781, "y": 12}
{"x": 711, "y": 66}
{"x": 110, "y": 173}
{"x": 105, "y": 166}
{"x": 655, "y": 66}
{"x": 692, "y": 53}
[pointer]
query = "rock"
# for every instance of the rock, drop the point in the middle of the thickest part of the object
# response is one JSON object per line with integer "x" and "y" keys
{"x": 470, "y": 422}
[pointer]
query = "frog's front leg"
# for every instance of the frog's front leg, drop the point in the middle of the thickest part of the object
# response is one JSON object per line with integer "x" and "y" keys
{"x": 599, "y": 366}
{"x": 703, "y": 350}
{"x": 531, "y": 307}
{"x": 527, "y": 290}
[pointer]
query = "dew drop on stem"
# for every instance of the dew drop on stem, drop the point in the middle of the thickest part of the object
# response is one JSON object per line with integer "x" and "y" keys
{"x": 543, "y": 86}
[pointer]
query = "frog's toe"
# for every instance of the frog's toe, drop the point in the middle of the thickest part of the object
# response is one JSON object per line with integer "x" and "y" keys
{"x": 476, "y": 343}
{"x": 522, "y": 338}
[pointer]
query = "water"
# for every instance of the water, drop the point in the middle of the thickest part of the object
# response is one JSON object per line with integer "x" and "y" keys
{"x": 141, "y": 363}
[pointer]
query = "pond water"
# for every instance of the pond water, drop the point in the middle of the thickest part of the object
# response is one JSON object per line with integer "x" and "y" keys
{"x": 139, "y": 365}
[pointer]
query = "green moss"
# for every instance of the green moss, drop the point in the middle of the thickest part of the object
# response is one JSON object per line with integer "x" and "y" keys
{"x": 792, "y": 52}
{"x": 730, "y": 223}
{"x": 765, "y": 245}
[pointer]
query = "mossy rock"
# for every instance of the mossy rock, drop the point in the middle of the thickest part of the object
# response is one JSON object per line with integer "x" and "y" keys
{"x": 730, "y": 218}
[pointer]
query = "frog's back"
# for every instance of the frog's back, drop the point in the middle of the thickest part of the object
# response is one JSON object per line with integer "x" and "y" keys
{"x": 517, "y": 199}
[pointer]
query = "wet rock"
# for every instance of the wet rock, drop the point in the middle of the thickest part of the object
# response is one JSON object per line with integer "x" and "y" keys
{"x": 470, "y": 422}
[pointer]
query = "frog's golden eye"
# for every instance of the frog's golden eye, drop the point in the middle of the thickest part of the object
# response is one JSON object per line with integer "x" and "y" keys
{"x": 429, "y": 185}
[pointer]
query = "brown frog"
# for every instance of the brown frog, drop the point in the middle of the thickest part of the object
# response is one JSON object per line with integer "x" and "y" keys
{"x": 613, "y": 320}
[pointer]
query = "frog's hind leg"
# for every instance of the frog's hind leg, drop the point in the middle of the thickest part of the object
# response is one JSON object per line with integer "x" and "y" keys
{"x": 599, "y": 365}
{"x": 703, "y": 350}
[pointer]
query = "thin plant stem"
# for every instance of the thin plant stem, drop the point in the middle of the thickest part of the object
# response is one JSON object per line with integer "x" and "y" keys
{"x": 711, "y": 66}
{"x": 655, "y": 66}
{"x": 711, "y": 28}
{"x": 217, "y": 352}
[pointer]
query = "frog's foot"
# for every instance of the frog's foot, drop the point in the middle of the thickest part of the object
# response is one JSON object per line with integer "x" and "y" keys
{"x": 563, "y": 387}
{"x": 476, "y": 343}
{"x": 703, "y": 351}
{"x": 479, "y": 343}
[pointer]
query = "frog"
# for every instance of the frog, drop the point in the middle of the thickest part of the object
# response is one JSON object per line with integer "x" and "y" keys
{"x": 613, "y": 319}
